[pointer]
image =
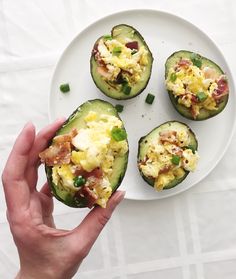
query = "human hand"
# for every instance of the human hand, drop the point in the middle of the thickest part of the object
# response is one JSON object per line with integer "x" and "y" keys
{"x": 44, "y": 251}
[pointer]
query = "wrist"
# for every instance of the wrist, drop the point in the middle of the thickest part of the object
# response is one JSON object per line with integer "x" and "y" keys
{"x": 34, "y": 274}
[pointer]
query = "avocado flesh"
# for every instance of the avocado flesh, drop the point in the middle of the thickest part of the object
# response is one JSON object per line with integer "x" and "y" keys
{"x": 154, "y": 135}
{"x": 76, "y": 120}
{"x": 184, "y": 111}
{"x": 113, "y": 90}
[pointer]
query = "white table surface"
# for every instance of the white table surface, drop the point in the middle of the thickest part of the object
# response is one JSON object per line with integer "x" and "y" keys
{"x": 188, "y": 236}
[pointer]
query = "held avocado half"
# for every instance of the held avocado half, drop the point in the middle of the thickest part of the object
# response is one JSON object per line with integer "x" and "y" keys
{"x": 121, "y": 63}
{"x": 87, "y": 158}
{"x": 197, "y": 86}
{"x": 167, "y": 154}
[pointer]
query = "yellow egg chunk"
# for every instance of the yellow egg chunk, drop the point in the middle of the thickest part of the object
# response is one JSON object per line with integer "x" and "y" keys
{"x": 64, "y": 174}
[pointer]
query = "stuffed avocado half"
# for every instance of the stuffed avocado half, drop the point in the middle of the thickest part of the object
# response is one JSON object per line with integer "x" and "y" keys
{"x": 121, "y": 63}
{"x": 167, "y": 154}
{"x": 197, "y": 87}
{"x": 87, "y": 159}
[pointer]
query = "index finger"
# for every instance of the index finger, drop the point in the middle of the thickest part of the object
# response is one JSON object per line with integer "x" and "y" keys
{"x": 42, "y": 139}
{"x": 41, "y": 142}
{"x": 13, "y": 177}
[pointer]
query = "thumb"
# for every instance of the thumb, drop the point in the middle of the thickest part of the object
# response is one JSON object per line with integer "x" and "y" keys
{"x": 88, "y": 231}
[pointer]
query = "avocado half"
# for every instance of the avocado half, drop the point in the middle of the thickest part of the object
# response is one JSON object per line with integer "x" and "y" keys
{"x": 76, "y": 120}
{"x": 114, "y": 89}
{"x": 171, "y": 61}
{"x": 144, "y": 142}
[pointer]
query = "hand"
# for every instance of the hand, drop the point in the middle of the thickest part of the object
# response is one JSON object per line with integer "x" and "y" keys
{"x": 44, "y": 251}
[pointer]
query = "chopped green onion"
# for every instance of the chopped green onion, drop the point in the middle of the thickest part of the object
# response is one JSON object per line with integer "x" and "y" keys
{"x": 118, "y": 134}
{"x": 191, "y": 147}
{"x": 119, "y": 108}
{"x": 196, "y": 59}
{"x": 201, "y": 96}
{"x": 149, "y": 99}
{"x": 175, "y": 159}
{"x": 126, "y": 89}
{"x": 116, "y": 50}
{"x": 107, "y": 37}
{"x": 134, "y": 51}
{"x": 79, "y": 181}
{"x": 173, "y": 77}
{"x": 65, "y": 87}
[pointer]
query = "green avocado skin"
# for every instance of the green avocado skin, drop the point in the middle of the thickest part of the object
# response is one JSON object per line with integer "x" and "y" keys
{"x": 204, "y": 114}
{"x": 110, "y": 90}
{"x": 76, "y": 120}
{"x": 144, "y": 142}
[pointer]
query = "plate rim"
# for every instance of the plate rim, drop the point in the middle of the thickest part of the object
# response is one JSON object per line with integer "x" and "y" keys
{"x": 186, "y": 22}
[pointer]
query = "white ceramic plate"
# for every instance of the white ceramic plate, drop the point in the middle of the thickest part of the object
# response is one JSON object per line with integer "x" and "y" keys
{"x": 165, "y": 34}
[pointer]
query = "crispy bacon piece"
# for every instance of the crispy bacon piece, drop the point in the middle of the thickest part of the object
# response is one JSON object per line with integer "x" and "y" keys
{"x": 88, "y": 194}
{"x": 176, "y": 150}
{"x": 56, "y": 154}
{"x": 209, "y": 73}
{"x": 103, "y": 71}
{"x": 194, "y": 99}
{"x": 132, "y": 45}
{"x": 169, "y": 136}
{"x": 194, "y": 112}
{"x": 95, "y": 49}
{"x": 66, "y": 137}
{"x": 222, "y": 89}
{"x": 165, "y": 169}
{"x": 61, "y": 139}
{"x": 184, "y": 63}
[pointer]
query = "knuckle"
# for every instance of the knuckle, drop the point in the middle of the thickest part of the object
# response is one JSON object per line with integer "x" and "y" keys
{"x": 103, "y": 218}
{"x": 5, "y": 177}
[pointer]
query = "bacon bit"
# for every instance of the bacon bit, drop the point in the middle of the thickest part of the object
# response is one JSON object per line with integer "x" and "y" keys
{"x": 176, "y": 150}
{"x": 194, "y": 99}
{"x": 88, "y": 194}
{"x": 222, "y": 89}
{"x": 169, "y": 136}
{"x": 103, "y": 72}
{"x": 79, "y": 171}
{"x": 98, "y": 173}
{"x": 193, "y": 112}
{"x": 184, "y": 63}
{"x": 95, "y": 49}
{"x": 209, "y": 73}
{"x": 165, "y": 169}
{"x": 56, "y": 154}
{"x": 74, "y": 132}
{"x": 99, "y": 59}
{"x": 132, "y": 45}
{"x": 66, "y": 137}
{"x": 222, "y": 85}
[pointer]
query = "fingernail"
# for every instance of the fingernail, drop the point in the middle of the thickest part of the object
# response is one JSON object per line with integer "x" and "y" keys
{"x": 28, "y": 124}
{"x": 119, "y": 196}
{"x": 61, "y": 119}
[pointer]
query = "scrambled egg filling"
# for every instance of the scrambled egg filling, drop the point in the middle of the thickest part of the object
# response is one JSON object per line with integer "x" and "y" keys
{"x": 189, "y": 81}
{"x": 119, "y": 58}
{"x": 159, "y": 164}
{"x": 93, "y": 147}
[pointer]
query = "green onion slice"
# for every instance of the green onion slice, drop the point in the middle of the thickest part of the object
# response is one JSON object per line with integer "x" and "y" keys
{"x": 118, "y": 134}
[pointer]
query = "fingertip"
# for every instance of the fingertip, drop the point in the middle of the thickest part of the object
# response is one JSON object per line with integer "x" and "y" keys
{"x": 29, "y": 126}
{"x": 115, "y": 199}
{"x": 60, "y": 120}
